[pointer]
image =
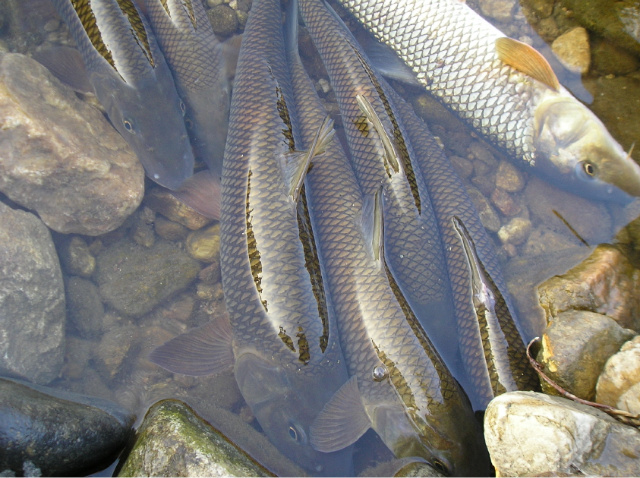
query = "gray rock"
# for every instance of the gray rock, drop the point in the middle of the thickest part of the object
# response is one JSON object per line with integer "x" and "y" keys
{"x": 76, "y": 258}
{"x": 532, "y": 434}
{"x": 223, "y": 20}
{"x": 606, "y": 282}
{"x": 619, "y": 384}
{"x": 575, "y": 347}
{"x": 171, "y": 425}
{"x": 32, "y": 302}
{"x": 59, "y": 433}
{"x": 61, "y": 157}
{"x": 134, "y": 279}
{"x": 84, "y": 307}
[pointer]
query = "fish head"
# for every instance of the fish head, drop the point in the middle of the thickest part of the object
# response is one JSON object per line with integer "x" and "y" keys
{"x": 155, "y": 130}
{"x": 575, "y": 150}
{"x": 285, "y": 401}
{"x": 450, "y": 441}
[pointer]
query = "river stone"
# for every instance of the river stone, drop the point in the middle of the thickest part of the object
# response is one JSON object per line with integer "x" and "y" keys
{"x": 162, "y": 201}
{"x": 606, "y": 282}
{"x": 135, "y": 279}
{"x": 174, "y": 441}
{"x": 84, "y": 307}
{"x": 204, "y": 244}
{"x": 532, "y": 434}
{"x": 32, "y": 302}
{"x": 76, "y": 258}
{"x": 572, "y": 48}
{"x": 619, "y": 384}
{"x": 575, "y": 347}
{"x": 61, "y": 157}
{"x": 58, "y": 433}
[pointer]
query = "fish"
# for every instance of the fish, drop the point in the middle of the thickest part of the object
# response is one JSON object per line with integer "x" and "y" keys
{"x": 133, "y": 83}
{"x": 194, "y": 55}
{"x": 493, "y": 352}
{"x": 399, "y": 386}
{"x": 506, "y": 91}
{"x": 282, "y": 336}
{"x": 380, "y": 156}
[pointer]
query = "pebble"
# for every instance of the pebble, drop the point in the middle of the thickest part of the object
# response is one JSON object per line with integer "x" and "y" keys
{"x": 515, "y": 232}
{"x": 487, "y": 213}
{"x": 506, "y": 203}
{"x": 169, "y": 230}
{"x": 532, "y": 434}
{"x": 204, "y": 244}
{"x": 84, "y": 307}
{"x": 111, "y": 353}
{"x": 76, "y": 258}
{"x": 509, "y": 178}
{"x": 162, "y": 201}
{"x": 61, "y": 157}
{"x": 500, "y": 10}
{"x": 223, "y": 20}
{"x": 575, "y": 347}
{"x": 32, "y": 299}
{"x": 619, "y": 384}
{"x": 134, "y": 279}
{"x": 573, "y": 50}
{"x": 47, "y": 432}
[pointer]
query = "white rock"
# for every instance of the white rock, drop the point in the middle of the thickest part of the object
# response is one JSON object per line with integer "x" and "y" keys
{"x": 619, "y": 384}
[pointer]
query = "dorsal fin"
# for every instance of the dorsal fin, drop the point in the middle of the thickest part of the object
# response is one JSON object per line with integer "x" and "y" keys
{"x": 528, "y": 60}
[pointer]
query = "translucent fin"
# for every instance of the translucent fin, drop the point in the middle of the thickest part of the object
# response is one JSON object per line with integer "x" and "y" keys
{"x": 384, "y": 59}
{"x": 391, "y": 155}
{"x": 201, "y": 192}
{"x": 65, "y": 63}
{"x": 297, "y": 164}
{"x": 528, "y": 60}
{"x": 373, "y": 224}
{"x": 342, "y": 420}
{"x": 206, "y": 350}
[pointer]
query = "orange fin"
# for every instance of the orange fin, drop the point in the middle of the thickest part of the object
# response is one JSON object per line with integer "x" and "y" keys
{"x": 528, "y": 60}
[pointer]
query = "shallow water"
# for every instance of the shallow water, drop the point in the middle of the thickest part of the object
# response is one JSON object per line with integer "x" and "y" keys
{"x": 558, "y": 231}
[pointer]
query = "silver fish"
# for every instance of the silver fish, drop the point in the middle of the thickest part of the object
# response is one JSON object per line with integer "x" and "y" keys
{"x": 133, "y": 83}
{"x": 399, "y": 386}
{"x": 505, "y": 90}
{"x": 194, "y": 55}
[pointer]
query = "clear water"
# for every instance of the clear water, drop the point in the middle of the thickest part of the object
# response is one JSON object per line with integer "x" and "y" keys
{"x": 123, "y": 373}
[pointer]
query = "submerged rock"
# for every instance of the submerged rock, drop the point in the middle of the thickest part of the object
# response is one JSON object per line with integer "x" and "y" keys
{"x": 619, "y": 384}
{"x": 204, "y": 244}
{"x": 575, "y": 347}
{"x": 85, "y": 308}
{"x": 57, "y": 433}
{"x": 32, "y": 301}
{"x": 134, "y": 279}
{"x": 532, "y": 434}
{"x": 162, "y": 201}
{"x": 572, "y": 48}
{"x": 606, "y": 282}
{"x": 61, "y": 157}
{"x": 169, "y": 426}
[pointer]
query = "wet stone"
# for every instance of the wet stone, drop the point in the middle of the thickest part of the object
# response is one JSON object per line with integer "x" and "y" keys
{"x": 111, "y": 353}
{"x": 169, "y": 230}
{"x": 544, "y": 8}
{"x": 84, "y": 306}
{"x": 133, "y": 279}
{"x": 53, "y": 433}
{"x": 544, "y": 240}
{"x": 61, "y": 157}
{"x": 223, "y": 20}
{"x": 162, "y": 201}
{"x": 488, "y": 215}
{"x": 606, "y": 282}
{"x": 572, "y": 49}
{"x": 575, "y": 347}
{"x": 619, "y": 384}
{"x": 171, "y": 425}
{"x": 509, "y": 178}
{"x": 497, "y": 9}
{"x": 532, "y": 434}
{"x": 608, "y": 59}
{"x": 204, "y": 244}
{"x": 32, "y": 298}
{"x": 76, "y": 258}
{"x": 515, "y": 231}
{"x": 506, "y": 203}
{"x": 463, "y": 166}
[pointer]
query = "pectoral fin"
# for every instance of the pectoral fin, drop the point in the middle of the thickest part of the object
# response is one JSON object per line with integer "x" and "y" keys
{"x": 391, "y": 155}
{"x": 297, "y": 164}
{"x": 373, "y": 224}
{"x": 65, "y": 63}
{"x": 528, "y": 60}
{"x": 205, "y": 350}
{"x": 342, "y": 420}
{"x": 201, "y": 192}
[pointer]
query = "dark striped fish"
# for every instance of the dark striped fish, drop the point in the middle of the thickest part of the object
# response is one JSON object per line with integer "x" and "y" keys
{"x": 493, "y": 351}
{"x": 133, "y": 82}
{"x": 399, "y": 385}
{"x": 380, "y": 156}
{"x": 194, "y": 55}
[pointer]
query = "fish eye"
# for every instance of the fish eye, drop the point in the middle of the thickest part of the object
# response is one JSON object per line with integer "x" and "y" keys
{"x": 441, "y": 467}
{"x": 128, "y": 125}
{"x": 183, "y": 107}
{"x": 296, "y": 433}
{"x": 589, "y": 168}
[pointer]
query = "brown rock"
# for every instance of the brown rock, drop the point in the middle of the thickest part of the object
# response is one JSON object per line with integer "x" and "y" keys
{"x": 619, "y": 384}
{"x": 61, "y": 157}
{"x": 575, "y": 347}
{"x": 509, "y": 177}
{"x": 506, "y": 203}
{"x": 572, "y": 48}
{"x": 162, "y": 201}
{"x": 606, "y": 283}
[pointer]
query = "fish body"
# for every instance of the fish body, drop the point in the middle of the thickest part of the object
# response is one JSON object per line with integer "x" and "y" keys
{"x": 412, "y": 246}
{"x": 133, "y": 83}
{"x": 288, "y": 360}
{"x": 194, "y": 54}
{"x": 505, "y": 91}
{"x": 493, "y": 351}
{"x": 399, "y": 386}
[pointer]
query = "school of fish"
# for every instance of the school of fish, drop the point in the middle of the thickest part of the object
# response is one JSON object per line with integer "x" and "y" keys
{"x": 362, "y": 290}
